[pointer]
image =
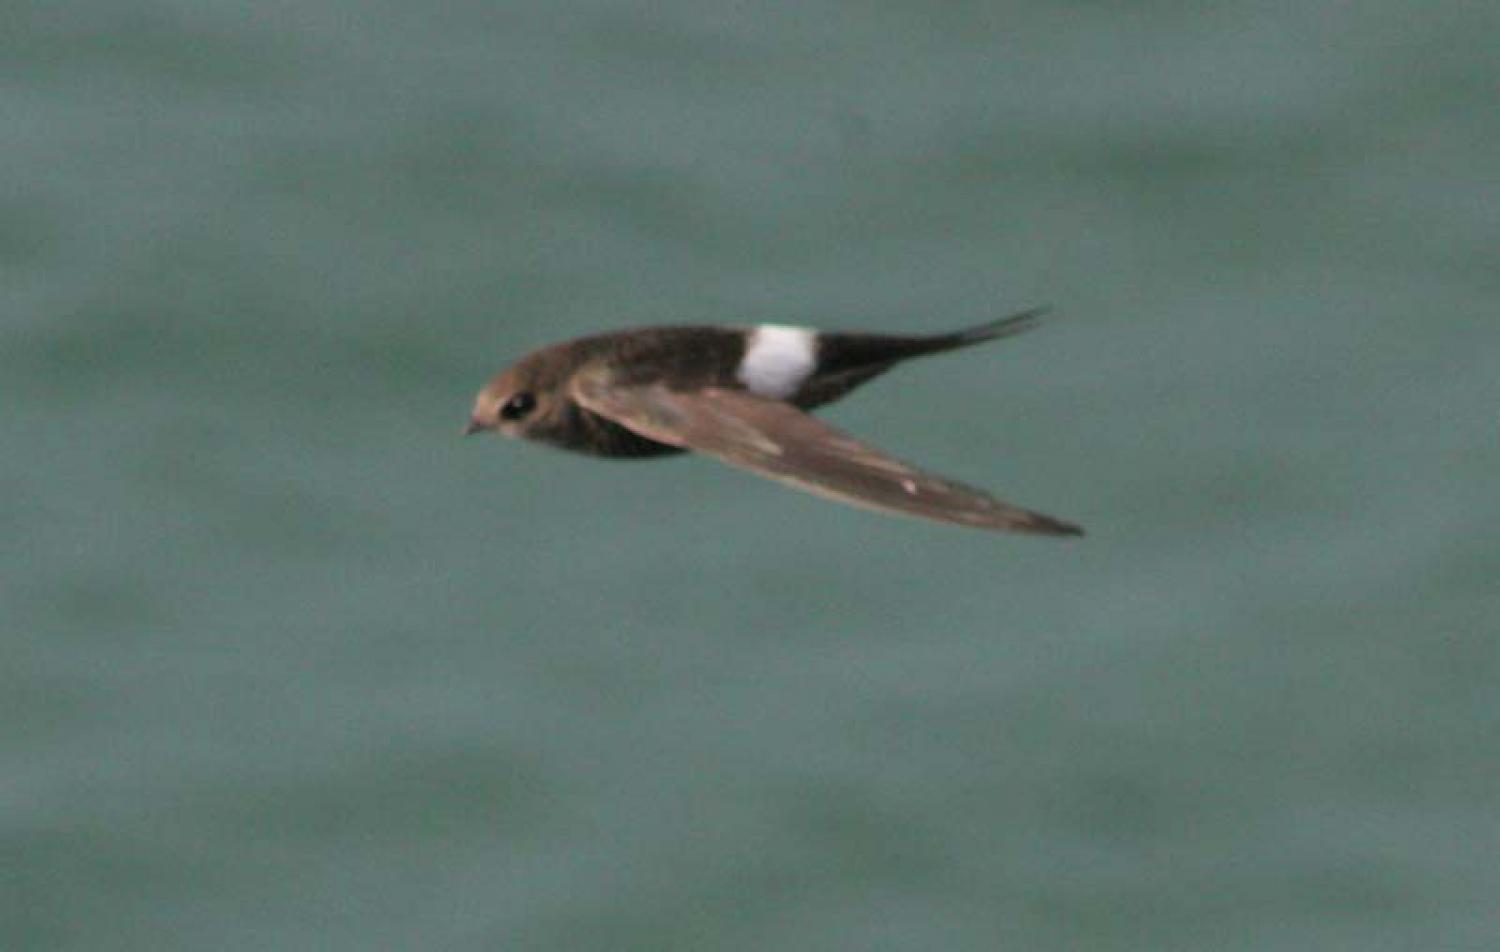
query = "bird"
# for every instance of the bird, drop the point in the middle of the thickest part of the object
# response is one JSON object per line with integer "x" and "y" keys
{"x": 741, "y": 394}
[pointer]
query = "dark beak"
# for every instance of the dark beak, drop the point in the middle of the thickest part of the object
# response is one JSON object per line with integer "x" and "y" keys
{"x": 472, "y": 427}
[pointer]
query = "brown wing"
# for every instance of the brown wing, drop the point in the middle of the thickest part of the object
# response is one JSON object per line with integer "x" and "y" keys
{"x": 777, "y": 440}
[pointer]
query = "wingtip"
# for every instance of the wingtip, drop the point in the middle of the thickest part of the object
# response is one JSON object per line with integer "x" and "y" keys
{"x": 1046, "y": 525}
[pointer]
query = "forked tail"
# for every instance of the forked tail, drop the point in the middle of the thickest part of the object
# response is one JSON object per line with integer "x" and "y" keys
{"x": 994, "y": 330}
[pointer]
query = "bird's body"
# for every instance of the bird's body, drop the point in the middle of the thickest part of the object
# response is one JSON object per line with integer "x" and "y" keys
{"x": 739, "y": 393}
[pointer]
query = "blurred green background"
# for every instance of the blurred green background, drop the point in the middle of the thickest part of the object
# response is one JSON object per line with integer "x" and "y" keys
{"x": 289, "y": 665}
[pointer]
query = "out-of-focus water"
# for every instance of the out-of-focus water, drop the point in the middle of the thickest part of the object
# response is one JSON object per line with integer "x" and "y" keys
{"x": 288, "y": 665}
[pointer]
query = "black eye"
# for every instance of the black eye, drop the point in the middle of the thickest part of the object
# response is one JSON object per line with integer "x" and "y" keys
{"x": 517, "y": 406}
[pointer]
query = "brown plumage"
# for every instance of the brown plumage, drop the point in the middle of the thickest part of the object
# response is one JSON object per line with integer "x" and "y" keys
{"x": 740, "y": 395}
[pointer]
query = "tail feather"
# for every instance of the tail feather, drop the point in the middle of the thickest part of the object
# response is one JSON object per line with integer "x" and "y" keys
{"x": 855, "y": 358}
{"x": 994, "y": 330}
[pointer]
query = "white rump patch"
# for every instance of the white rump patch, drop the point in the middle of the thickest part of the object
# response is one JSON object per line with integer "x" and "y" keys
{"x": 778, "y": 359}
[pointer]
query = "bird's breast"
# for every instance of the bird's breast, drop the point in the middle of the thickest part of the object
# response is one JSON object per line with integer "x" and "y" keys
{"x": 582, "y": 431}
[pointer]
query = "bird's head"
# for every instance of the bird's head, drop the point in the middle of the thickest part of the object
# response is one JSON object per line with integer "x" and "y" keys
{"x": 522, "y": 401}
